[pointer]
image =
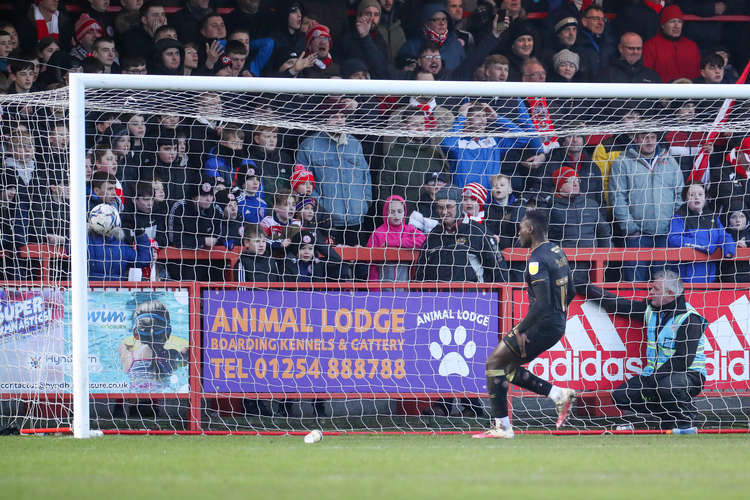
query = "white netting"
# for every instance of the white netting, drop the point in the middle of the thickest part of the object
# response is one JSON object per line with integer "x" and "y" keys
{"x": 371, "y": 323}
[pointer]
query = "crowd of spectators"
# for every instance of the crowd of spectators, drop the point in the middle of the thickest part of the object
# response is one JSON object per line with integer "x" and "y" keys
{"x": 285, "y": 197}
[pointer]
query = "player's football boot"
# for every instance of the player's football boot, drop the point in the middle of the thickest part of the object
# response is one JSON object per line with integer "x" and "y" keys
{"x": 495, "y": 433}
{"x": 564, "y": 405}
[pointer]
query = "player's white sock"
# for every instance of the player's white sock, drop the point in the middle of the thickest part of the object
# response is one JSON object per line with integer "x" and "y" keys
{"x": 555, "y": 394}
{"x": 503, "y": 422}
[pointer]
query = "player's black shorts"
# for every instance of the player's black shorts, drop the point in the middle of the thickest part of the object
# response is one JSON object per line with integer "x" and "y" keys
{"x": 536, "y": 341}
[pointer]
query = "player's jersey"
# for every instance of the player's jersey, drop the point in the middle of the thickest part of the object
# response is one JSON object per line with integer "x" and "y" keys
{"x": 548, "y": 263}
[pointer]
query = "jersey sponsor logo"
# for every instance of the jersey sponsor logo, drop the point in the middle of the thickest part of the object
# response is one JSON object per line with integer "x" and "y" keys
{"x": 533, "y": 268}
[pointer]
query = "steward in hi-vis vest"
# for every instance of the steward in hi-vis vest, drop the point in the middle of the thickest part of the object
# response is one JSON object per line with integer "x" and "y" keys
{"x": 675, "y": 364}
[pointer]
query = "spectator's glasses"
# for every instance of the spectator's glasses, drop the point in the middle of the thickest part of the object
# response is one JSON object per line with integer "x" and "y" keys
{"x": 138, "y": 70}
{"x": 536, "y": 74}
{"x": 430, "y": 58}
{"x": 599, "y": 19}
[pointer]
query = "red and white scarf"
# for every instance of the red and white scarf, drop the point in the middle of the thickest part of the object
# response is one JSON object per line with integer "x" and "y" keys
{"x": 542, "y": 122}
{"x": 732, "y": 158}
{"x": 430, "y": 122}
{"x": 434, "y": 36}
{"x": 46, "y": 28}
{"x": 323, "y": 63}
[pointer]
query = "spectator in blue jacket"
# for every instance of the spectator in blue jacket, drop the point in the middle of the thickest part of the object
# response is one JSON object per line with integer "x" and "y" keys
{"x": 474, "y": 157}
{"x": 224, "y": 160}
{"x": 110, "y": 258}
{"x": 694, "y": 226}
{"x": 437, "y": 28}
{"x": 250, "y": 200}
{"x": 343, "y": 185}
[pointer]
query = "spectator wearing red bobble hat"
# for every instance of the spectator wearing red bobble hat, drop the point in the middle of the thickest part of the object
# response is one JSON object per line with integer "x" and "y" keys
{"x": 575, "y": 219}
{"x": 87, "y": 31}
{"x": 318, "y": 42}
{"x": 473, "y": 199}
{"x": 669, "y": 53}
{"x": 302, "y": 181}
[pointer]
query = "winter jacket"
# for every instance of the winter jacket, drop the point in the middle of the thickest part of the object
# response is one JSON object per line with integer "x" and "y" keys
{"x": 276, "y": 164}
{"x": 315, "y": 271}
{"x": 468, "y": 254}
{"x": 261, "y": 268}
{"x": 622, "y": 72}
{"x": 343, "y": 185}
{"x": 223, "y": 162}
{"x": 252, "y": 208}
{"x": 476, "y": 159}
{"x": 734, "y": 270}
{"x": 577, "y": 221}
{"x": 405, "y": 167}
{"x": 503, "y": 220}
{"x": 393, "y": 34}
{"x": 387, "y": 235}
{"x": 705, "y": 233}
{"x": 645, "y": 192}
{"x": 110, "y": 259}
{"x": 188, "y": 227}
{"x": 597, "y": 51}
{"x": 672, "y": 59}
{"x": 451, "y": 50}
{"x": 153, "y": 225}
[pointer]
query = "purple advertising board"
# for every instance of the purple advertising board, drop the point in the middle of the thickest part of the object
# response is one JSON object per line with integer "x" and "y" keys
{"x": 263, "y": 341}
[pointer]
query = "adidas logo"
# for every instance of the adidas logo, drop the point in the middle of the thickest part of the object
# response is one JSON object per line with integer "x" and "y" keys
{"x": 727, "y": 359}
{"x": 592, "y": 354}
{"x": 594, "y": 351}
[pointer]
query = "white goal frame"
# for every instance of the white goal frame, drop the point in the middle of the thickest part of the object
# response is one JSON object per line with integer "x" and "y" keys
{"x": 80, "y": 82}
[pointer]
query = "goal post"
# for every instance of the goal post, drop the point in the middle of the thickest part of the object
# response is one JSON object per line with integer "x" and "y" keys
{"x": 81, "y": 83}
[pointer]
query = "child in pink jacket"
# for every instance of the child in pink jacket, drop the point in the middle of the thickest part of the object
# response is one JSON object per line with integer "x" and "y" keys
{"x": 394, "y": 233}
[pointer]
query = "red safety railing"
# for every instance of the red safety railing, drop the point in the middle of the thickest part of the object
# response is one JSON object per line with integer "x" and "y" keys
{"x": 599, "y": 258}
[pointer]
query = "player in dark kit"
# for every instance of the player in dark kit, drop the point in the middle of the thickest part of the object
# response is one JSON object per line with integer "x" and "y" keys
{"x": 550, "y": 290}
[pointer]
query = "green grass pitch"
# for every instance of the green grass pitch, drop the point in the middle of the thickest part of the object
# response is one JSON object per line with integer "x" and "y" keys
{"x": 379, "y": 467}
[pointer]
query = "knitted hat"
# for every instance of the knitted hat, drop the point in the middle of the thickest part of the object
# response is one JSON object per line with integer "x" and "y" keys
{"x": 566, "y": 56}
{"x": 304, "y": 201}
{"x": 248, "y": 168}
{"x": 304, "y": 237}
{"x": 476, "y": 191}
{"x": 300, "y": 176}
{"x": 221, "y": 198}
{"x": 671, "y": 12}
{"x": 565, "y": 22}
{"x": 561, "y": 175}
{"x": 223, "y": 62}
{"x": 521, "y": 29}
{"x": 85, "y": 24}
{"x": 365, "y": 4}
{"x": 317, "y": 31}
{"x": 351, "y": 66}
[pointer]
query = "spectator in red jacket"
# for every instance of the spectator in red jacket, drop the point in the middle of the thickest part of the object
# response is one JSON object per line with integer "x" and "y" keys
{"x": 669, "y": 53}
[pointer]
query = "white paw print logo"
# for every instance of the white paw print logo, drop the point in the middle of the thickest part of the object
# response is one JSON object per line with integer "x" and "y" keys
{"x": 453, "y": 363}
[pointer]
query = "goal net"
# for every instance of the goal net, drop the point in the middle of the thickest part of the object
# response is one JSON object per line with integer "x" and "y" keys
{"x": 280, "y": 255}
